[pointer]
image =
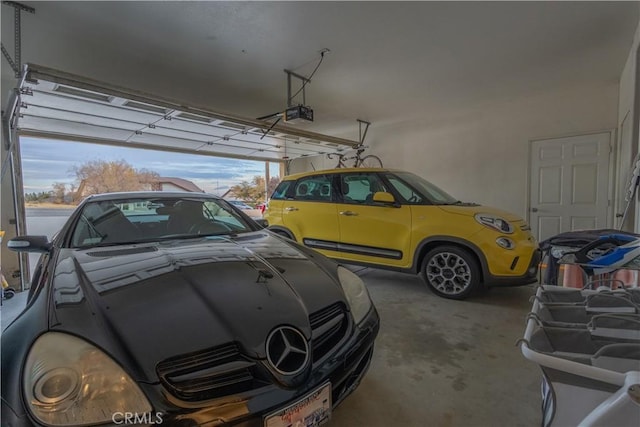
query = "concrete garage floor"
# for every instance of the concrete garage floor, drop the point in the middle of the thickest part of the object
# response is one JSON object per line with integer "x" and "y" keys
{"x": 440, "y": 362}
{"x": 437, "y": 362}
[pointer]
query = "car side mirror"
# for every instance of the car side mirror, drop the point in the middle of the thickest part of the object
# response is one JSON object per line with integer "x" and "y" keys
{"x": 384, "y": 198}
{"x": 29, "y": 244}
{"x": 263, "y": 223}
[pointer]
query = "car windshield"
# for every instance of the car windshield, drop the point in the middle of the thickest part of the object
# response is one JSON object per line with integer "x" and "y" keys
{"x": 137, "y": 220}
{"x": 415, "y": 189}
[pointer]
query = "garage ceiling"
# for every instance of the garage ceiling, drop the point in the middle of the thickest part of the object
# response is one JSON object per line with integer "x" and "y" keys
{"x": 390, "y": 63}
{"x": 56, "y": 104}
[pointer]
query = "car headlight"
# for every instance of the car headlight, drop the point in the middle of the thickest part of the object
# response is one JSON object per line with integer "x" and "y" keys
{"x": 356, "y": 292}
{"x": 68, "y": 381}
{"x": 495, "y": 222}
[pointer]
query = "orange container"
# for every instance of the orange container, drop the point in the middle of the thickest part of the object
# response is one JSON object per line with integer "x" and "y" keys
{"x": 573, "y": 277}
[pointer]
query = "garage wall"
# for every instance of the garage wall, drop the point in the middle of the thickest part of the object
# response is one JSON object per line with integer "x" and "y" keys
{"x": 482, "y": 154}
{"x": 628, "y": 130}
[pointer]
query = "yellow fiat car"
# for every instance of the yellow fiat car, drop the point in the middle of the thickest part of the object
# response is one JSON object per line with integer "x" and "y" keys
{"x": 397, "y": 220}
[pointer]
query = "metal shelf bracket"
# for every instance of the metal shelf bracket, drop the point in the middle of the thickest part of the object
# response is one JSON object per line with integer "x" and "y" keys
{"x": 16, "y": 64}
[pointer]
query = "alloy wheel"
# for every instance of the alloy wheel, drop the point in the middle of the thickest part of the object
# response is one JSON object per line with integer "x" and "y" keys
{"x": 449, "y": 273}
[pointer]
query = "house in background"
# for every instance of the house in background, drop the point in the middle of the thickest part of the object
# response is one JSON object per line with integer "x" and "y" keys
{"x": 165, "y": 183}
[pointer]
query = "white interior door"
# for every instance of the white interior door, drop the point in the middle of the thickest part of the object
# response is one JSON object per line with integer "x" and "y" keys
{"x": 569, "y": 184}
{"x": 626, "y": 155}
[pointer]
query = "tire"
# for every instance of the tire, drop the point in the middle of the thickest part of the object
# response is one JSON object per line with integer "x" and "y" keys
{"x": 370, "y": 161}
{"x": 451, "y": 272}
{"x": 8, "y": 293}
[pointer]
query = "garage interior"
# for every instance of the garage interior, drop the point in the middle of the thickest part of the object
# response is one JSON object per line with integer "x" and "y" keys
{"x": 460, "y": 93}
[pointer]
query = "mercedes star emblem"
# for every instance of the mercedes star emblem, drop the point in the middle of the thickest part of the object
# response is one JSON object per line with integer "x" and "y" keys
{"x": 287, "y": 350}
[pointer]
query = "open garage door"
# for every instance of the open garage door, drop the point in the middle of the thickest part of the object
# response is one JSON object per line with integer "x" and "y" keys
{"x": 57, "y": 105}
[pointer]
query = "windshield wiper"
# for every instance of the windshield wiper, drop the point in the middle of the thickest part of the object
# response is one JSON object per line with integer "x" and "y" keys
{"x": 159, "y": 239}
{"x": 137, "y": 241}
{"x": 106, "y": 244}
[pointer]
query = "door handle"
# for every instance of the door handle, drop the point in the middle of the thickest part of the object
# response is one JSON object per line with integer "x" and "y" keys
{"x": 534, "y": 209}
{"x": 290, "y": 209}
{"x": 348, "y": 213}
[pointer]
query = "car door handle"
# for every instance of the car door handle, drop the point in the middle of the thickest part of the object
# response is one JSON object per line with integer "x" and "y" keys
{"x": 534, "y": 209}
{"x": 348, "y": 213}
{"x": 290, "y": 209}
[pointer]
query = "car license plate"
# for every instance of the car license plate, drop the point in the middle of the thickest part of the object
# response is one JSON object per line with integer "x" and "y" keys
{"x": 312, "y": 410}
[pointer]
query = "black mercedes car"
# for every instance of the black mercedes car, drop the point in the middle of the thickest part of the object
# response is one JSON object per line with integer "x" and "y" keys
{"x": 178, "y": 309}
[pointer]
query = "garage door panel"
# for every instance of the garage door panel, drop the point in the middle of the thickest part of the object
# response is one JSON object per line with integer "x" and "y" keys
{"x": 181, "y": 125}
{"x": 163, "y": 132}
{"x": 164, "y": 141}
{"x": 56, "y": 102}
{"x": 97, "y": 111}
{"x": 77, "y": 118}
{"x": 228, "y": 148}
{"x": 30, "y": 124}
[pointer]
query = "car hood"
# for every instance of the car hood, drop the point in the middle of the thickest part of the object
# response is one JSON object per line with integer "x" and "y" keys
{"x": 145, "y": 303}
{"x": 472, "y": 209}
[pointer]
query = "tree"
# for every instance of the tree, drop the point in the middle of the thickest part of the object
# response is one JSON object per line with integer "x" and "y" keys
{"x": 244, "y": 191}
{"x": 37, "y": 197}
{"x": 59, "y": 191}
{"x": 99, "y": 176}
{"x": 254, "y": 192}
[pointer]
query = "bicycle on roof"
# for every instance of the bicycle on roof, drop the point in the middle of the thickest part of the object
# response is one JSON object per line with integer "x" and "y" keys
{"x": 359, "y": 161}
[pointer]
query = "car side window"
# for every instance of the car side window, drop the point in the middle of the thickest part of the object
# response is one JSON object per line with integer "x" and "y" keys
{"x": 360, "y": 188}
{"x": 406, "y": 192}
{"x": 280, "y": 192}
{"x": 313, "y": 188}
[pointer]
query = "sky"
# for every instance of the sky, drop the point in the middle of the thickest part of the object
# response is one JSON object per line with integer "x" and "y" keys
{"x": 46, "y": 161}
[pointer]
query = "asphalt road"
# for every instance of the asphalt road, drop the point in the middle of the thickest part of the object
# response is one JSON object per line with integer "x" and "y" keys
{"x": 46, "y": 222}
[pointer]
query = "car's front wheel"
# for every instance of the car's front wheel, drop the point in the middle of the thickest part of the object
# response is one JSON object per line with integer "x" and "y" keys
{"x": 451, "y": 272}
